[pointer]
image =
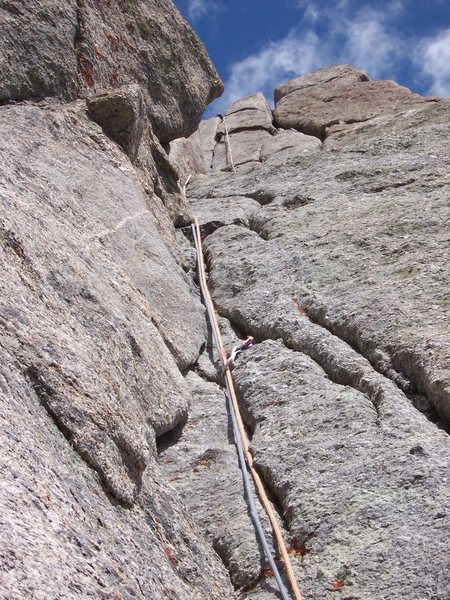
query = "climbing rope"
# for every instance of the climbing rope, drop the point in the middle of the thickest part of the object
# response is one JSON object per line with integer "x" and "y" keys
{"x": 242, "y": 443}
{"x": 227, "y": 144}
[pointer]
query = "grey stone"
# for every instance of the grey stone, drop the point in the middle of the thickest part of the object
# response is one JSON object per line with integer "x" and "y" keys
{"x": 62, "y": 535}
{"x": 339, "y": 74}
{"x": 207, "y": 131}
{"x": 186, "y": 155}
{"x": 47, "y": 50}
{"x": 353, "y": 490}
{"x": 203, "y": 467}
{"x": 250, "y": 112}
{"x": 245, "y": 147}
{"x": 213, "y": 213}
{"x": 98, "y": 312}
{"x": 91, "y": 296}
{"x": 288, "y": 143}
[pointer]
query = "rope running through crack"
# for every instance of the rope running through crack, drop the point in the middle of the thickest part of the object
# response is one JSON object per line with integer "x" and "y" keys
{"x": 242, "y": 443}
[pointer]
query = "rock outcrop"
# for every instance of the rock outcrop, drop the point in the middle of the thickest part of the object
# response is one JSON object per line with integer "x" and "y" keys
{"x": 47, "y": 49}
{"x": 119, "y": 473}
{"x": 335, "y": 95}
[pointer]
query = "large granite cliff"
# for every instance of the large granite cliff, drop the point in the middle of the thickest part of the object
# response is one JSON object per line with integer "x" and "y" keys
{"x": 119, "y": 475}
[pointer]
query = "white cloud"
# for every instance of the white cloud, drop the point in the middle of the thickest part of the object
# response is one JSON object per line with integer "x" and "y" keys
{"x": 434, "y": 56}
{"x": 348, "y": 31}
{"x": 277, "y": 62}
{"x": 368, "y": 42}
{"x": 200, "y": 8}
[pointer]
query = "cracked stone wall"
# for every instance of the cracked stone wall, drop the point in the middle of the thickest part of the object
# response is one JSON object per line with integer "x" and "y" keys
{"x": 328, "y": 245}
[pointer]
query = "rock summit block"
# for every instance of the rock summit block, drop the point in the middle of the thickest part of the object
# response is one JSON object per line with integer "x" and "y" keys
{"x": 336, "y": 95}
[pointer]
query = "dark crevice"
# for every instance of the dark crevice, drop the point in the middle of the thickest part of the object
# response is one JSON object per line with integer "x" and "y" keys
{"x": 298, "y": 201}
{"x": 208, "y": 228}
{"x": 272, "y": 493}
{"x": 389, "y": 186}
{"x": 262, "y": 196}
{"x": 272, "y": 130}
{"x": 343, "y": 377}
{"x": 256, "y": 229}
{"x": 238, "y": 110}
{"x": 170, "y": 438}
{"x": 396, "y": 373}
{"x": 362, "y": 77}
{"x": 319, "y": 316}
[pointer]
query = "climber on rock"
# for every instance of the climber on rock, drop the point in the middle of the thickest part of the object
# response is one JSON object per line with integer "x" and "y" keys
{"x": 249, "y": 342}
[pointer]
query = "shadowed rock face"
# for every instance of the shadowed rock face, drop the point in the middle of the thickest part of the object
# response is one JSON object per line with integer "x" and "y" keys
{"x": 341, "y": 274}
{"x": 84, "y": 46}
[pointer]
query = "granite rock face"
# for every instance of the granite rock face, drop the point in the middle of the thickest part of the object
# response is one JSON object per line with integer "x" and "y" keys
{"x": 87, "y": 45}
{"x": 341, "y": 275}
{"x": 99, "y": 321}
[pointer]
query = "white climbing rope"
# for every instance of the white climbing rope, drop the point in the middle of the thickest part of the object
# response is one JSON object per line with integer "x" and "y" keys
{"x": 242, "y": 443}
{"x": 229, "y": 155}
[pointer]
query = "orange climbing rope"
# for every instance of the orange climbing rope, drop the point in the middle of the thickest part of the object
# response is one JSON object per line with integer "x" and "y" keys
{"x": 240, "y": 424}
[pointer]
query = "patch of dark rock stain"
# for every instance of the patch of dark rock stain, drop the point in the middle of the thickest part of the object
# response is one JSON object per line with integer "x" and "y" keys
{"x": 297, "y": 202}
{"x": 11, "y": 7}
{"x": 389, "y": 186}
{"x": 348, "y": 175}
{"x": 14, "y": 243}
{"x": 87, "y": 295}
{"x": 80, "y": 32}
{"x": 206, "y": 459}
{"x": 417, "y": 450}
{"x": 207, "y": 229}
{"x": 170, "y": 438}
{"x": 135, "y": 348}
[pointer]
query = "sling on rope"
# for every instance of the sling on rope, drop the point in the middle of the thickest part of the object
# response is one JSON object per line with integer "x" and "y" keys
{"x": 242, "y": 442}
{"x": 229, "y": 156}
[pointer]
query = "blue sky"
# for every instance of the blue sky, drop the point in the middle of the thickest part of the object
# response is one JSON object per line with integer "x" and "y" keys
{"x": 257, "y": 44}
